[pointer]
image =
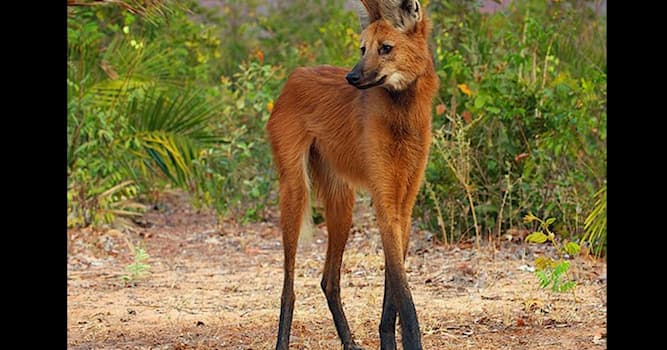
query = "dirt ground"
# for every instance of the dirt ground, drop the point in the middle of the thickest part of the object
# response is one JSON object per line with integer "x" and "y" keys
{"x": 217, "y": 286}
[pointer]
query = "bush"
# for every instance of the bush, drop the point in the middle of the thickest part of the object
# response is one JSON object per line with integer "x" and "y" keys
{"x": 238, "y": 175}
{"x": 148, "y": 108}
{"x": 525, "y": 122}
{"x": 137, "y": 121}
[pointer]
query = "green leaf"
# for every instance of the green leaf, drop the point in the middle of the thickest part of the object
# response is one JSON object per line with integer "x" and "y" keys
{"x": 572, "y": 248}
{"x": 550, "y": 221}
{"x": 566, "y": 286}
{"x": 494, "y": 110}
{"x": 542, "y": 277}
{"x": 480, "y": 100}
{"x": 536, "y": 237}
{"x": 561, "y": 268}
{"x": 170, "y": 130}
{"x": 543, "y": 263}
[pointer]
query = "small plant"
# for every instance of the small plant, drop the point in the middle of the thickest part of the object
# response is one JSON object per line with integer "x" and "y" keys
{"x": 552, "y": 272}
{"x": 137, "y": 269}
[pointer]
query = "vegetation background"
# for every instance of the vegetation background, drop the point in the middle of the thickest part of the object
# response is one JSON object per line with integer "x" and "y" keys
{"x": 175, "y": 94}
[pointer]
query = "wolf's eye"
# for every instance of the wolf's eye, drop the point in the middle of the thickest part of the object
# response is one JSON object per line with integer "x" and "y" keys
{"x": 363, "y": 50}
{"x": 385, "y": 49}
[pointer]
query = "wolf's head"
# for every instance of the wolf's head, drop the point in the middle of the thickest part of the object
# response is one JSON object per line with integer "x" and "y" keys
{"x": 394, "y": 45}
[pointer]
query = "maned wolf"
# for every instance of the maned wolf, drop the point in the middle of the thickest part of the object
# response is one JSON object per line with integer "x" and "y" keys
{"x": 367, "y": 128}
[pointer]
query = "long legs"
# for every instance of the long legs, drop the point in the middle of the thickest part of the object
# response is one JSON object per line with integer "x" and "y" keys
{"x": 294, "y": 202}
{"x": 338, "y": 199}
{"x": 395, "y": 229}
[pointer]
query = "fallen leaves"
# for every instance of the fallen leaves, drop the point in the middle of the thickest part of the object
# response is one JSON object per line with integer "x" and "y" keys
{"x": 536, "y": 306}
{"x": 600, "y": 337}
{"x": 466, "y": 269}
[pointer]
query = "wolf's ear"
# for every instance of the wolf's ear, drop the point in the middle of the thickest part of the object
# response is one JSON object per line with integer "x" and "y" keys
{"x": 402, "y": 14}
{"x": 369, "y": 12}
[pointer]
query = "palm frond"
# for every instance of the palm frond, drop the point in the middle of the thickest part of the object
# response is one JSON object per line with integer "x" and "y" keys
{"x": 595, "y": 224}
{"x": 171, "y": 153}
{"x": 106, "y": 92}
{"x": 186, "y": 113}
{"x": 142, "y": 59}
{"x": 115, "y": 72}
{"x": 171, "y": 129}
{"x": 152, "y": 11}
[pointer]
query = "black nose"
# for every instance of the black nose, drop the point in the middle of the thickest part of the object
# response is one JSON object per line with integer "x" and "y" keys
{"x": 353, "y": 78}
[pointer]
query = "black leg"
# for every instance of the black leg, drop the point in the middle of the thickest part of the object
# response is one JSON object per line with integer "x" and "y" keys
{"x": 286, "y": 302}
{"x": 388, "y": 321}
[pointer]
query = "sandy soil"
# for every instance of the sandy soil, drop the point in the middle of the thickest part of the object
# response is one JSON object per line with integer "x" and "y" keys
{"x": 217, "y": 286}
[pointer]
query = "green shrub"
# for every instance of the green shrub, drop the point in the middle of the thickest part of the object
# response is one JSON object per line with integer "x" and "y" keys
{"x": 238, "y": 176}
{"x": 529, "y": 112}
{"x": 136, "y": 121}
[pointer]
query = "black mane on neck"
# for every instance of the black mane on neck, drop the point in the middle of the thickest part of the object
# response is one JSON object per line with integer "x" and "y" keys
{"x": 403, "y": 97}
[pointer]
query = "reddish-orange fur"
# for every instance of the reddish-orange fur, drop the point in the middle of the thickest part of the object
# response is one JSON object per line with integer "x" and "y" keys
{"x": 377, "y": 139}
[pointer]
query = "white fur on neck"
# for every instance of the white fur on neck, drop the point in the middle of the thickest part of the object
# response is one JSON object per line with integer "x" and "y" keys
{"x": 397, "y": 82}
